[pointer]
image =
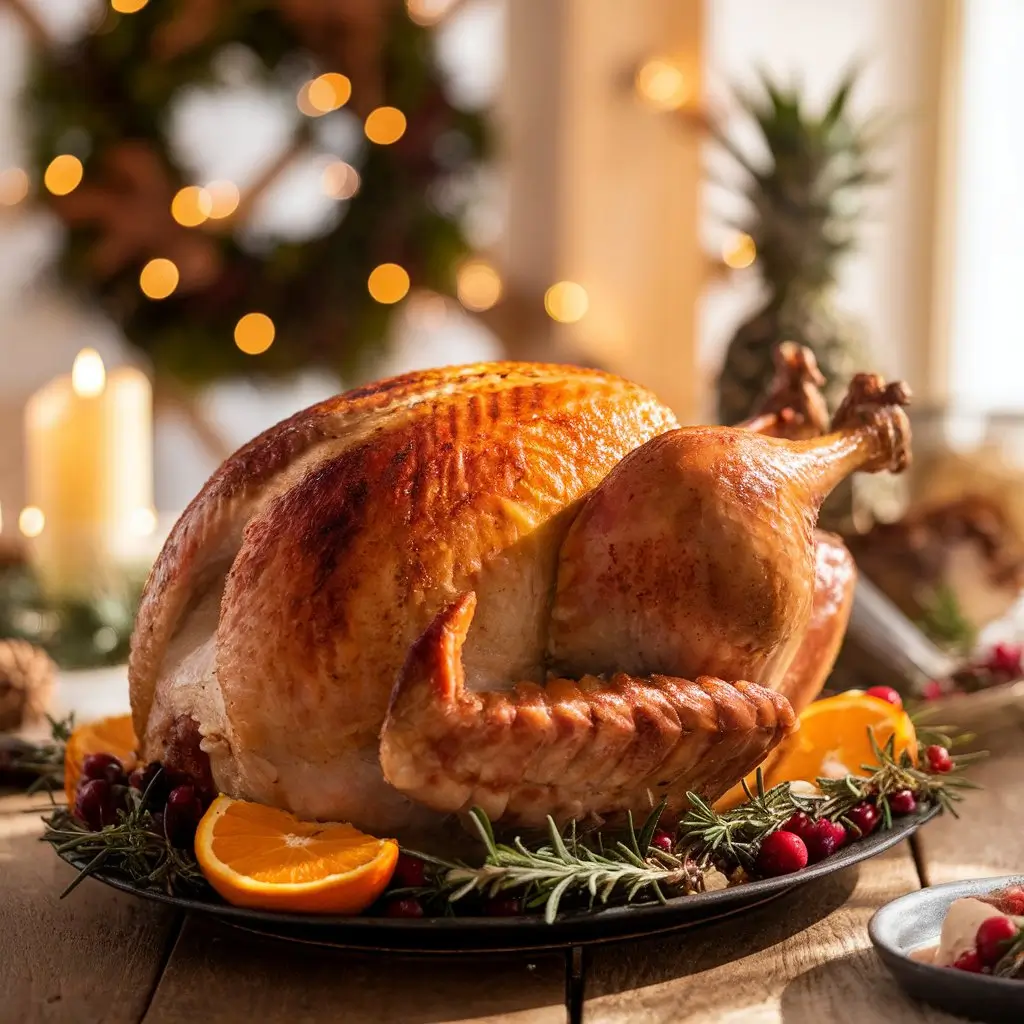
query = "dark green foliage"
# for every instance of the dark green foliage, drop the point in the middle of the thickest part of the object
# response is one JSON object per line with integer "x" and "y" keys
{"x": 109, "y": 88}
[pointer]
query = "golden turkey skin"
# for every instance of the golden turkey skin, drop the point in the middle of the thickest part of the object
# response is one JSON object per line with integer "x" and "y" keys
{"x": 281, "y": 610}
{"x": 521, "y": 585}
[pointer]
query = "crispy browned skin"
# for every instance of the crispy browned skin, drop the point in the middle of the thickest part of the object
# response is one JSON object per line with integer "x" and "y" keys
{"x": 596, "y": 538}
{"x": 284, "y": 604}
{"x": 835, "y": 579}
{"x": 696, "y": 555}
{"x": 570, "y": 748}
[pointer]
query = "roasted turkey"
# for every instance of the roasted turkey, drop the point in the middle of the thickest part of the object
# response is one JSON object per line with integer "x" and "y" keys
{"x": 521, "y": 586}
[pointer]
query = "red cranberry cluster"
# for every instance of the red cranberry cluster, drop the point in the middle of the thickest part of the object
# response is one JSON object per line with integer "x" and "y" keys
{"x": 994, "y": 938}
{"x": 1003, "y": 664}
{"x": 173, "y": 798}
{"x": 803, "y": 840}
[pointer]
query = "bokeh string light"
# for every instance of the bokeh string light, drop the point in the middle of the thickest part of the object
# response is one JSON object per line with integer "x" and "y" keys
{"x": 128, "y": 6}
{"x": 478, "y": 285}
{"x": 63, "y": 174}
{"x": 663, "y": 84}
{"x": 739, "y": 252}
{"x": 254, "y": 333}
{"x": 32, "y": 521}
{"x": 385, "y": 125}
{"x": 191, "y": 206}
{"x": 224, "y": 198}
{"x": 340, "y": 180}
{"x": 388, "y": 283}
{"x": 14, "y": 186}
{"x": 567, "y": 302}
{"x": 159, "y": 278}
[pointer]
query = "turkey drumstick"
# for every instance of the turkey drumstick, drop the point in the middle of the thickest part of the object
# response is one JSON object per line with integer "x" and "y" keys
{"x": 569, "y": 748}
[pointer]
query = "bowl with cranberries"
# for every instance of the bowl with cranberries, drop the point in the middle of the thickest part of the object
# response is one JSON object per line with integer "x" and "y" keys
{"x": 959, "y": 947}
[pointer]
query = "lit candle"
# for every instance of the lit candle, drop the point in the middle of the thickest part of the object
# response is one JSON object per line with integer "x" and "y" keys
{"x": 89, "y": 453}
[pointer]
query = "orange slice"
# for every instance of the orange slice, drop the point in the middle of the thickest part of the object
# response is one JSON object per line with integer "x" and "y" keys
{"x": 832, "y": 741}
{"x": 104, "y": 736}
{"x": 262, "y": 857}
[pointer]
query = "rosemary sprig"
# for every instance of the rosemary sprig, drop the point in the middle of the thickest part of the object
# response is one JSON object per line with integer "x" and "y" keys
{"x": 706, "y": 833}
{"x": 137, "y": 848}
{"x": 41, "y": 765}
{"x": 627, "y": 869}
{"x": 737, "y": 834}
{"x": 1011, "y": 963}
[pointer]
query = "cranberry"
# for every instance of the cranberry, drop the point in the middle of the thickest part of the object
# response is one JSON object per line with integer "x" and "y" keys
{"x": 662, "y": 841}
{"x": 864, "y": 818}
{"x": 993, "y": 939}
{"x": 157, "y": 782}
{"x": 103, "y": 766}
{"x": 800, "y": 824}
{"x": 938, "y": 759}
{"x": 409, "y": 871}
{"x": 503, "y": 906}
{"x": 970, "y": 962}
{"x": 182, "y": 814}
{"x": 781, "y": 853}
{"x": 932, "y": 690}
{"x": 888, "y": 694}
{"x": 1009, "y": 900}
{"x": 407, "y": 907}
{"x": 824, "y": 838}
{"x": 1006, "y": 659}
{"x": 902, "y": 802}
{"x": 94, "y": 804}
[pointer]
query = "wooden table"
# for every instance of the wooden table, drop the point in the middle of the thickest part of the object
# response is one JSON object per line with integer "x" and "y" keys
{"x": 103, "y": 956}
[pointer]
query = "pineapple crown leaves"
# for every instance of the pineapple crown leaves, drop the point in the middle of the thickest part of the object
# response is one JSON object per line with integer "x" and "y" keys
{"x": 800, "y": 191}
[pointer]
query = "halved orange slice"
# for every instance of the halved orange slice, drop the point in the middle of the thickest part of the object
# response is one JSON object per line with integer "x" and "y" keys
{"x": 833, "y": 741}
{"x": 263, "y": 857}
{"x": 114, "y": 735}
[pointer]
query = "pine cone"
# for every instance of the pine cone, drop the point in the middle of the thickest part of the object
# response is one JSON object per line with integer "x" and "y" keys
{"x": 26, "y": 683}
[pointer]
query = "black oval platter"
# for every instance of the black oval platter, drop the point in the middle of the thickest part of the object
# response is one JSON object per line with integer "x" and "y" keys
{"x": 914, "y": 922}
{"x": 493, "y": 934}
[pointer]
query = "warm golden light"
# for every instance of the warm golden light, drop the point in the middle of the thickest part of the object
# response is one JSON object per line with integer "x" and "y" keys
{"x": 385, "y": 125}
{"x": 191, "y": 206}
{"x": 739, "y": 252}
{"x": 478, "y": 285}
{"x": 566, "y": 302}
{"x": 13, "y": 186}
{"x": 303, "y": 103}
{"x": 128, "y": 6}
{"x": 254, "y": 333}
{"x": 63, "y": 174}
{"x": 340, "y": 180}
{"x": 158, "y": 279}
{"x": 388, "y": 283}
{"x": 224, "y": 198}
{"x": 31, "y": 522}
{"x": 663, "y": 84}
{"x": 88, "y": 374}
{"x": 329, "y": 92}
{"x": 142, "y": 522}
{"x": 427, "y": 12}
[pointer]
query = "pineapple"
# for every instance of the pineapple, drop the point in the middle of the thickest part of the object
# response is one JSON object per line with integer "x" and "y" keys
{"x": 801, "y": 215}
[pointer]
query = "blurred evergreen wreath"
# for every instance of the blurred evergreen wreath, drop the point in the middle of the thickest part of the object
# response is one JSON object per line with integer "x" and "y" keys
{"x": 109, "y": 99}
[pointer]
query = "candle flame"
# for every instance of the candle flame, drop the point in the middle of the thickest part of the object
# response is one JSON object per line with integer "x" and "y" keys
{"x": 88, "y": 375}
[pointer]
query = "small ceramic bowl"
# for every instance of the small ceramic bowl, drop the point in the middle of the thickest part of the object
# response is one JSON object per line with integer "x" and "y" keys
{"x": 914, "y": 923}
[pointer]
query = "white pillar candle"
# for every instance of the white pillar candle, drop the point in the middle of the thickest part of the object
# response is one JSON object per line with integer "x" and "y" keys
{"x": 89, "y": 441}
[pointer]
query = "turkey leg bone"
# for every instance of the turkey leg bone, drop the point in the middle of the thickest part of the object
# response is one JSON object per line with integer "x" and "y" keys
{"x": 696, "y": 555}
{"x": 570, "y": 748}
{"x": 793, "y": 407}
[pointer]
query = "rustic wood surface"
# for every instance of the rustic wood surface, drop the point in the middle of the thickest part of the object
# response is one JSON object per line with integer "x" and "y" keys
{"x": 106, "y": 957}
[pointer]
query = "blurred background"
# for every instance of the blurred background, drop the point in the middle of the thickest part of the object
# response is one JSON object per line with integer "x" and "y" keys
{"x": 214, "y": 214}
